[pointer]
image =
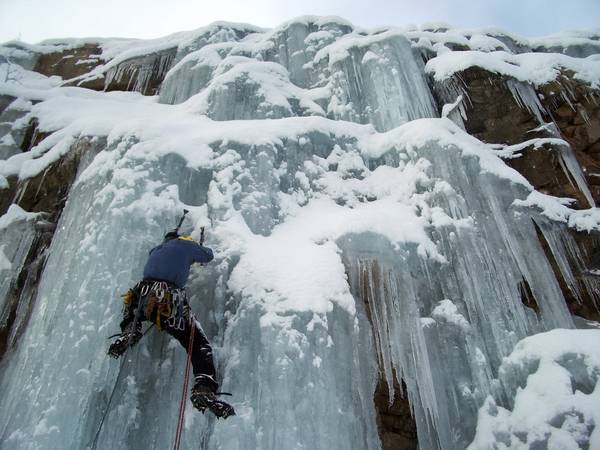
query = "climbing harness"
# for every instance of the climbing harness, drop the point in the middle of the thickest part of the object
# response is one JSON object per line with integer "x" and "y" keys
{"x": 156, "y": 301}
{"x": 169, "y": 303}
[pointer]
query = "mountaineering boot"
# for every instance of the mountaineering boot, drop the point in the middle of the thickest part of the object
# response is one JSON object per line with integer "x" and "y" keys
{"x": 127, "y": 339}
{"x": 204, "y": 398}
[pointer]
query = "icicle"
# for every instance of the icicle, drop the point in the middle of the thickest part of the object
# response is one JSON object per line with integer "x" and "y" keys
{"x": 565, "y": 251}
{"x": 139, "y": 74}
{"x": 372, "y": 286}
{"x": 569, "y": 164}
{"x": 525, "y": 96}
{"x": 449, "y": 91}
{"x": 572, "y": 168}
{"x": 585, "y": 117}
{"x": 387, "y": 89}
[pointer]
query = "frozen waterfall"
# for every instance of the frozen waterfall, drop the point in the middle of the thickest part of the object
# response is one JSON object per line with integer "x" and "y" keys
{"x": 357, "y": 237}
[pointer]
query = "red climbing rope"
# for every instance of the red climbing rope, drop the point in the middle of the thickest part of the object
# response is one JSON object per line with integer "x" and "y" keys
{"x": 186, "y": 380}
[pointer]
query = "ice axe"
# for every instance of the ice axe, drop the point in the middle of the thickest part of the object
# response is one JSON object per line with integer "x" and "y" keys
{"x": 185, "y": 211}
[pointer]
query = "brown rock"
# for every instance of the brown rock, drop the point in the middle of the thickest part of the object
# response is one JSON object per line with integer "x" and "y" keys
{"x": 70, "y": 63}
{"x": 594, "y": 148}
{"x": 494, "y": 116}
{"x": 7, "y": 195}
{"x": 397, "y": 427}
{"x": 46, "y": 192}
{"x": 586, "y": 301}
{"x": 592, "y": 132}
{"x": 564, "y": 111}
{"x": 569, "y": 131}
{"x": 578, "y": 118}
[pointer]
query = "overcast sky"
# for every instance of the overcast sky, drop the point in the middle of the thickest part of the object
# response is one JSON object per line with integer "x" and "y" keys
{"x": 35, "y": 20}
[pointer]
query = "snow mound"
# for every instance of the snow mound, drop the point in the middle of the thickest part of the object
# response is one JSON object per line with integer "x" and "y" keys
{"x": 554, "y": 378}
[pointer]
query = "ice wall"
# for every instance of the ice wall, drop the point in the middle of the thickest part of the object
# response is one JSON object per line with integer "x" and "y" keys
{"x": 297, "y": 359}
{"x": 305, "y": 68}
{"x": 49, "y": 405}
{"x": 434, "y": 322}
{"x": 356, "y": 236}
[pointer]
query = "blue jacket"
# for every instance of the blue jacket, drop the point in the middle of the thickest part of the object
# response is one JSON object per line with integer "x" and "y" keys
{"x": 171, "y": 260}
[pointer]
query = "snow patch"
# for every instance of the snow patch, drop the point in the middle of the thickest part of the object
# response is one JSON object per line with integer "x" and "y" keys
{"x": 447, "y": 311}
{"x": 555, "y": 381}
{"x": 16, "y": 214}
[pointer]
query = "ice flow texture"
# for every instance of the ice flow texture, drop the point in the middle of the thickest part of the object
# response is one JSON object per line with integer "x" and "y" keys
{"x": 302, "y": 373}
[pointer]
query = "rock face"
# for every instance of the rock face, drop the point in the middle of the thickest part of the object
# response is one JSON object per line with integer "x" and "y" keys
{"x": 16, "y": 310}
{"x": 575, "y": 109}
{"x": 397, "y": 427}
{"x": 496, "y": 115}
{"x": 493, "y": 113}
{"x": 46, "y": 194}
{"x": 498, "y": 112}
{"x": 71, "y": 63}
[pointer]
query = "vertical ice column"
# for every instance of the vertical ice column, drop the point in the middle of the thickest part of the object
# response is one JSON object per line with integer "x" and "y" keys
{"x": 191, "y": 75}
{"x": 383, "y": 84}
{"x": 507, "y": 232}
{"x": 570, "y": 164}
{"x": 17, "y": 235}
{"x": 445, "y": 327}
{"x": 448, "y": 91}
{"x": 569, "y": 259}
{"x": 400, "y": 346}
{"x": 435, "y": 357}
{"x": 295, "y": 45}
{"x": 290, "y": 51}
{"x": 142, "y": 74}
{"x": 56, "y": 386}
{"x": 300, "y": 381}
{"x": 525, "y": 96}
{"x": 572, "y": 169}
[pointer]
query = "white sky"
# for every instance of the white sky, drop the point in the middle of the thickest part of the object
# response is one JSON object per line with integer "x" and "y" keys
{"x": 35, "y": 20}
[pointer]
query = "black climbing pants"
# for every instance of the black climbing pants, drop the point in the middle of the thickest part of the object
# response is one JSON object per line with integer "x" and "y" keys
{"x": 166, "y": 306}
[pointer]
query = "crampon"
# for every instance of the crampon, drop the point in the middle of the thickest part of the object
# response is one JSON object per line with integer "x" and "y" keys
{"x": 125, "y": 340}
{"x": 203, "y": 399}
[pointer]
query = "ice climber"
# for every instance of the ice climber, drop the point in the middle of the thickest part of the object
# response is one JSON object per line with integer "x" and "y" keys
{"x": 161, "y": 299}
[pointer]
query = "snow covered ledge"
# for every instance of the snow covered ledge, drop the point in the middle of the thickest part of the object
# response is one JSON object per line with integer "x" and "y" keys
{"x": 535, "y": 68}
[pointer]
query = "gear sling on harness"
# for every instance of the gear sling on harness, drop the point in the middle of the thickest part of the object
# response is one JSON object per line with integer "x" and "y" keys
{"x": 159, "y": 301}
{"x": 166, "y": 306}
